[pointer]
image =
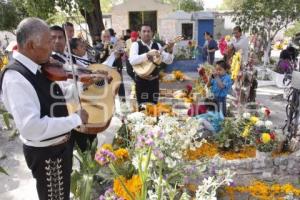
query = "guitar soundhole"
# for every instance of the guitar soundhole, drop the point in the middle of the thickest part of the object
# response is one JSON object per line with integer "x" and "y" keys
{"x": 100, "y": 83}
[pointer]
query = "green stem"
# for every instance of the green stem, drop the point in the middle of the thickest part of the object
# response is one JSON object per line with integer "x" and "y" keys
{"x": 160, "y": 180}
{"x": 145, "y": 175}
{"x": 113, "y": 169}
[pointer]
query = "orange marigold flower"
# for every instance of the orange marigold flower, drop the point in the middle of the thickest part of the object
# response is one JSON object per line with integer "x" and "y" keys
{"x": 133, "y": 185}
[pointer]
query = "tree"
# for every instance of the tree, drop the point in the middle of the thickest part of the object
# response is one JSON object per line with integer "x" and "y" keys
{"x": 10, "y": 15}
{"x": 292, "y": 31}
{"x": 266, "y": 18}
{"x": 186, "y": 5}
{"x": 45, "y": 9}
{"x": 230, "y": 4}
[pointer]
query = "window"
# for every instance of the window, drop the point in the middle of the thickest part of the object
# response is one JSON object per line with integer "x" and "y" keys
{"x": 187, "y": 31}
{"x": 144, "y": 17}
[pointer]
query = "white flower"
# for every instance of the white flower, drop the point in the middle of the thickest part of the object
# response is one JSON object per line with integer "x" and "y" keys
{"x": 198, "y": 144}
{"x": 192, "y": 148}
{"x": 171, "y": 163}
{"x": 136, "y": 117}
{"x": 259, "y": 123}
{"x": 263, "y": 110}
{"x": 269, "y": 124}
{"x": 246, "y": 115}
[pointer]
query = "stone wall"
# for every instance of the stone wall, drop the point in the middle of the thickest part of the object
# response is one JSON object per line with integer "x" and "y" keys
{"x": 283, "y": 169}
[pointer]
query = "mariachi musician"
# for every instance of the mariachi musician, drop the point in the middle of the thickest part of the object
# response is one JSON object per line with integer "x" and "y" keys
{"x": 147, "y": 88}
{"x": 38, "y": 107}
{"x": 58, "y": 38}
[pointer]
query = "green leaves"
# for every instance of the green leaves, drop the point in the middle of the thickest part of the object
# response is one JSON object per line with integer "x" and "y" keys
{"x": 3, "y": 171}
{"x": 186, "y": 5}
{"x": 82, "y": 180}
{"x": 10, "y": 15}
{"x": 229, "y": 138}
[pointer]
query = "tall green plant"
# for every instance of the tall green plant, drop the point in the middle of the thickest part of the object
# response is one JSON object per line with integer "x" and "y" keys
{"x": 83, "y": 180}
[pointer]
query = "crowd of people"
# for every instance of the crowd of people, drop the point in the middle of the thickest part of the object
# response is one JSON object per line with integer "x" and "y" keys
{"x": 49, "y": 134}
{"x": 38, "y": 104}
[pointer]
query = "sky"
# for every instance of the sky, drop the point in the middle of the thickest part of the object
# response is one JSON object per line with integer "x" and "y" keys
{"x": 211, "y": 4}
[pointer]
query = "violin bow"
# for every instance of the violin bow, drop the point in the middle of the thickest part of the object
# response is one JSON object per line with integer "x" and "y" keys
{"x": 70, "y": 61}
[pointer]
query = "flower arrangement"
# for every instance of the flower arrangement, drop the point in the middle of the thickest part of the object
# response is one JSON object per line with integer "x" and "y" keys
{"x": 186, "y": 94}
{"x": 176, "y": 75}
{"x": 236, "y": 65}
{"x": 263, "y": 136}
{"x": 156, "y": 152}
{"x": 205, "y": 72}
{"x": 261, "y": 190}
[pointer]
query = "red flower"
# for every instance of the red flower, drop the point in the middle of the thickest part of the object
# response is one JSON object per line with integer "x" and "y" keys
{"x": 267, "y": 112}
{"x": 190, "y": 43}
{"x": 272, "y": 135}
{"x": 202, "y": 72}
{"x": 189, "y": 88}
{"x": 258, "y": 141}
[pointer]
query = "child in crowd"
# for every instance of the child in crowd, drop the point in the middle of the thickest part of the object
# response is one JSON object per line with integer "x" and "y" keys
{"x": 220, "y": 83}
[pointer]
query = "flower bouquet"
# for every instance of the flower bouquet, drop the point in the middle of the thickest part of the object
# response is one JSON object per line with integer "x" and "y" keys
{"x": 263, "y": 136}
{"x": 153, "y": 165}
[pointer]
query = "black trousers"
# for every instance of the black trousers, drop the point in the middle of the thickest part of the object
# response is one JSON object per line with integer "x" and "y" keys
{"x": 82, "y": 140}
{"x": 146, "y": 91}
{"x": 51, "y": 167}
{"x": 121, "y": 91}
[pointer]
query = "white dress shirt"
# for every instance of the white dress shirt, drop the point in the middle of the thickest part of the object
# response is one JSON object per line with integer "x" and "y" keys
{"x": 242, "y": 44}
{"x": 135, "y": 58}
{"x": 21, "y": 100}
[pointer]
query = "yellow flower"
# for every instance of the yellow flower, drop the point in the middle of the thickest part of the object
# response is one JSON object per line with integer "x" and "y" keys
{"x": 133, "y": 185}
{"x": 265, "y": 138}
{"x": 236, "y": 65}
{"x": 253, "y": 120}
{"x": 178, "y": 75}
{"x": 107, "y": 147}
{"x": 227, "y": 38}
{"x": 121, "y": 154}
{"x": 246, "y": 132}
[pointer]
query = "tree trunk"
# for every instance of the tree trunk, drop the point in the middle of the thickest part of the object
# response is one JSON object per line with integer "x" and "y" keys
{"x": 94, "y": 19}
{"x": 267, "y": 53}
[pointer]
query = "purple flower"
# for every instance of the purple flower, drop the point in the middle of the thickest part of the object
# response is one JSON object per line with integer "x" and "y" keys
{"x": 102, "y": 197}
{"x": 149, "y": 142}
{"x": 158, "y": 154}
{"x": 232, "y": 184}
{"x": 104, "y": 156}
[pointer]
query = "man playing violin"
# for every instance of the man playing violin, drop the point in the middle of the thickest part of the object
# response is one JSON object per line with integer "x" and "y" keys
{"x": 147, "y": 88}
{"x": 39, "y": 109}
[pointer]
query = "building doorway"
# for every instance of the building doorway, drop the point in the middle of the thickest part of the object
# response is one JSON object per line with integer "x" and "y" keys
{"x": 142, "y": 17}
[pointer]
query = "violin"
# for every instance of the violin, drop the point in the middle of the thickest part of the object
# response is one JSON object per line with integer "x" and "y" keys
{"x": 56, "y": 72}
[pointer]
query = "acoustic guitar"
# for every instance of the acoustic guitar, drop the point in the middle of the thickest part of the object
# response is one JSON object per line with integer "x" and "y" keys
{"x": 98, "y": 100}
{"x": 146, "y": 68}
